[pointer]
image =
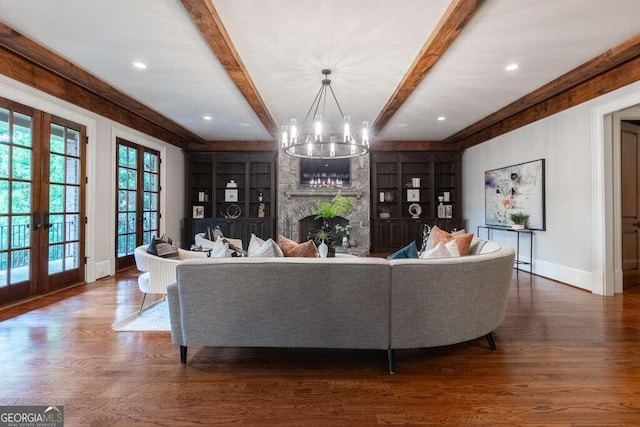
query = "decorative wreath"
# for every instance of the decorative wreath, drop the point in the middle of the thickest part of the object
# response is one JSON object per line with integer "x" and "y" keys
{"x": 231, "y": 210}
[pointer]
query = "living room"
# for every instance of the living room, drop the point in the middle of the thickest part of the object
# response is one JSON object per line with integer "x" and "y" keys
{"x": 572, "y": 124}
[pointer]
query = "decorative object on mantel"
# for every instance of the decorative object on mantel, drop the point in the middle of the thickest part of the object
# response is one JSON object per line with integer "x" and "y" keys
{"x": 320, "y": 144}
{"x": 338, "y": 206}
{"x": 343, "y": 231}
{"x": 384, "y": 212}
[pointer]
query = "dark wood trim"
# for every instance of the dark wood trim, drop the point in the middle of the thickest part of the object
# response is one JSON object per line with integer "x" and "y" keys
{"x": 377, "y": 146}
{"x": 613, "y": 79}
{"x": 450, "y": 26}
{"x": 205, "y": 17}
{"x": 26, "y": 48}
{"x": 234, "y": 146}
{"x": 582, "y": 77}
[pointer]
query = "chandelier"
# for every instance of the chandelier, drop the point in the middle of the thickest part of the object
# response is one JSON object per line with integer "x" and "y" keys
{"x": 317, "y": 144}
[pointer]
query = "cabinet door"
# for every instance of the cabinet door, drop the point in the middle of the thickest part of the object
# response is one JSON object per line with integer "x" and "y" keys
{"x": 411, "y": 231}
{"x": 231, "y": 228}
{"x": 388, "y": 235}
{"x": 262, "y": 228}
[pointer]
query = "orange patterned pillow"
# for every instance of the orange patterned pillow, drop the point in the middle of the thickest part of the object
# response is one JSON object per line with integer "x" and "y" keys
{"x": 462, "y": 240}
{"x": 307, "y": 249}
{"x": 290, "y": 248}
{"x": 286, "y": 245}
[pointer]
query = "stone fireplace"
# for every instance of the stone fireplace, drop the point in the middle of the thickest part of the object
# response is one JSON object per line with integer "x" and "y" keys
{"x": 296, "y": 203}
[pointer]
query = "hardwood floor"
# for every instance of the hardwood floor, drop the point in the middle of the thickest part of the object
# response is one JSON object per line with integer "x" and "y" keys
{"x": 564, "y": 357}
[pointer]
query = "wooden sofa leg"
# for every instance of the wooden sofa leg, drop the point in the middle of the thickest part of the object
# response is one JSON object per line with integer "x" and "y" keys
{"x": 183, "y": 354}
{"x": 492, "y": 344}
{"x": 392, "y": 368}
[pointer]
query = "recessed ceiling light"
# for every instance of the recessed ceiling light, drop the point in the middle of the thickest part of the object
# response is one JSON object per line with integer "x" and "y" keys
{"x": 206, "y": 117}
{"x": 245, "y": 125}
{"x": 402, "y": 125}
{"x": 512, "y": 67}
{"x": 140, "y": 65}
{"x": 442, "y": 118}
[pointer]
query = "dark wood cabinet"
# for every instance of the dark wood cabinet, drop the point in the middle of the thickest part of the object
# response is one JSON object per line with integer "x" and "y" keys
{"x": 407, "y": 186}
{"x": 234, "y": 191}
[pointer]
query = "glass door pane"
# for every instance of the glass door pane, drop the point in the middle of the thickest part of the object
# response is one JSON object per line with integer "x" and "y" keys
{"x": 63, "y": 248}
{"x": 127, "y": 199}
{"x": 16, "y": 199}
{"x": 151, "y": 197}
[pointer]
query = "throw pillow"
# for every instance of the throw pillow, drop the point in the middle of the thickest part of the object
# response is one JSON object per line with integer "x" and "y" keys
{"x": 442, "y": 250}
{"x": 162, "y": 247}
{"x": 263, "y": 248}
{"x": 220, "y": 250}
{"x": 208, "y": 234}
{"x": 287, "y": 245}
{"x": 307, "y": 249}
{"x": 290, "y": 248}
{"x": 463, "y": 240}
{"x": 409, "y": 251}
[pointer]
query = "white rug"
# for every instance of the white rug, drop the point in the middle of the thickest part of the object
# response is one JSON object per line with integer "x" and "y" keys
{"x": 154, "y": 317}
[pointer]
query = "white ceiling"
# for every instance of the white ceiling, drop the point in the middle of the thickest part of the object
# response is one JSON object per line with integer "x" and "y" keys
{"x": 284, "y": 44}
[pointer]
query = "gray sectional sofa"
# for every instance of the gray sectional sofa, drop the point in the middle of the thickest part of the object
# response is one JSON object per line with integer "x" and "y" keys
{"x": 352, "y": 302}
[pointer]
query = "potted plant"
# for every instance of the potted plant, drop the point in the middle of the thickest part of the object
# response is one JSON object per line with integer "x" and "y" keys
{"x": 384, "y": 211}
{"x": 519, "y": 219}
{"x": 338, "y": 206}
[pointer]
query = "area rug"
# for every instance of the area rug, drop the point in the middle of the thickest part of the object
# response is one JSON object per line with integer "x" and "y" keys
{"x": 154, "y": 317}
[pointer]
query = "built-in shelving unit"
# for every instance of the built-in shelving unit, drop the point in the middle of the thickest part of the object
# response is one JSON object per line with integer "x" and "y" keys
{"x": 402, "y": 179}
{"x": 234, "y": 191}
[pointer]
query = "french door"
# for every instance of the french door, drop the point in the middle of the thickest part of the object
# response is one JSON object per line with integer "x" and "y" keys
{"x": 42, "y": 184}
{"x": 138, "y": 199}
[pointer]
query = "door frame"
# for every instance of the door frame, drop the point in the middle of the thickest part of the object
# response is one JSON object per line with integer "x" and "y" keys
{"x": 48, "y": 104}
{"x": 606, "y": 191}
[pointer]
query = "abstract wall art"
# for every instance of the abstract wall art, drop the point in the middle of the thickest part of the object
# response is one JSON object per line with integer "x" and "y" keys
{"x": 517, "y": 188}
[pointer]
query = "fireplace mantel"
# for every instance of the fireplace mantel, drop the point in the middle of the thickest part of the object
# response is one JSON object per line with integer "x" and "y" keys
{"x": 322, "y": 192}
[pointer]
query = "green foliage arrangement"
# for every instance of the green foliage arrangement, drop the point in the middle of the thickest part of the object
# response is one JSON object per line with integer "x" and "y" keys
{"x": 519, "y": 218}
{"x": 338, "y": 206}
{"x": 384, "y": 209}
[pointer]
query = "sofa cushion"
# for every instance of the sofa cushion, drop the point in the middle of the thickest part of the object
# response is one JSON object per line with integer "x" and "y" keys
{"x": 290, "y": 248}
{"x": 463, "y": 240}
{"x": 409, "y": 251}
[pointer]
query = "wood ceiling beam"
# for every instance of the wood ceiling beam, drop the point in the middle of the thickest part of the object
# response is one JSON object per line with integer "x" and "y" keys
{"x": 411, "y": 146}
{"x": 234, "y": 146}
{"x": 206, "y": 18}
{"x": 26, "y": 48}
{"x": 612, "y": 79}
{"x": 20, "y": 69}
{"x": 538, "y": 100}
{"x": 450, "y": 26}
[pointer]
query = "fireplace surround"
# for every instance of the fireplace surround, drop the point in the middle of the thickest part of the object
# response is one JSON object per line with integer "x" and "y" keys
{"x": 297, "y": 202}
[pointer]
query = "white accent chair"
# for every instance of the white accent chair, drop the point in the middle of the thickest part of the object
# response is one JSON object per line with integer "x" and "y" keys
{"x": 159, "y": 272}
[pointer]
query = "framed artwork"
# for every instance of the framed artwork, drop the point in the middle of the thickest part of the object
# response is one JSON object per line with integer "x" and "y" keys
{"x": 413, "y": 195}
{"x": 517, "y": 188}
{"x": 231, "y": 195}
{"x": 198, "y": 211}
